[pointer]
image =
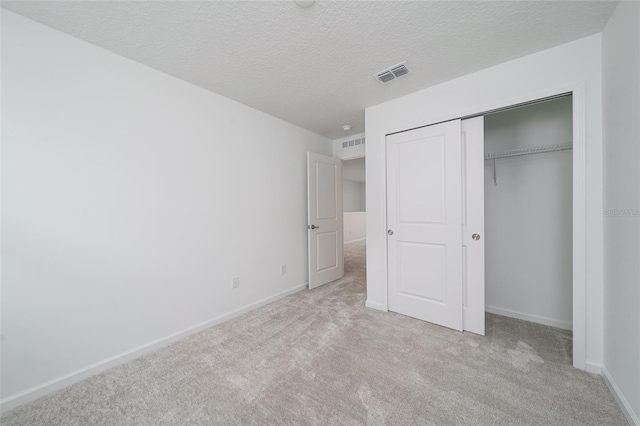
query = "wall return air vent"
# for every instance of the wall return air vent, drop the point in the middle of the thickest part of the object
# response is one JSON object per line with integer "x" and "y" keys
{"x": 354, "y": 142}
{"x": 392, "y": 73}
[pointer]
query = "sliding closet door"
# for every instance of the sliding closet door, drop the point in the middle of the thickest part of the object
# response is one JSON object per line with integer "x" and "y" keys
{"x": 424, "y": 216}
{"x": 473, "y": 236}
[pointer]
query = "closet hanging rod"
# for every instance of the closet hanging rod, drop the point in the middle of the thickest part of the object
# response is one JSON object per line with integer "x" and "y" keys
{"x": 525, "y": 151}
{"x": 528, "y": 151}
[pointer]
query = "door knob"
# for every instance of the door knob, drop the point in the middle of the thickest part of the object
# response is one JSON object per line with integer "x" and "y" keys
{"x": 476, "y": 237}
{"x": 390, "y": 232}
{"x": 313, "y": 227}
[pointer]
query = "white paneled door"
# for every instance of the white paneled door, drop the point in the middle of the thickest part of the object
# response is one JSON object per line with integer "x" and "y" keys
{"x": 325, "y": 222}
{"x": 424, "y": 220}
{"x": 435, "y": 216}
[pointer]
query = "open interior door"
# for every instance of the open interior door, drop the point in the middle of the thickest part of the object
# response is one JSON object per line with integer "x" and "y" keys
{"x": 325, "y": 226}
{"x": 424, "y": 219}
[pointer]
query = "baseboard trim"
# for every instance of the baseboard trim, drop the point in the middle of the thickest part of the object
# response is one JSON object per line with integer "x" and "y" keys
{"x": 50, "y": 386}
{"x": 528, "y": 317}
{"x": 592, "y": 367}
{"x": 628, "y": 412}
{"x": 355, "y": 241}
{"x": 374, "y": 305}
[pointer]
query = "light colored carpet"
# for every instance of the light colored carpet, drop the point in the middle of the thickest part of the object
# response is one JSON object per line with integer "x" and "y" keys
{"x": 321, "y": 357}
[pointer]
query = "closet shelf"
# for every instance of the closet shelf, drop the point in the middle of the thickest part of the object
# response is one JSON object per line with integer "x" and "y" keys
{"x": 527, "y": 151}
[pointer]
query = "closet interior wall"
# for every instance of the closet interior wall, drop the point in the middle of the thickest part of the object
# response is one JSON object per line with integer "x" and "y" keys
{"x": 528, "y": 215}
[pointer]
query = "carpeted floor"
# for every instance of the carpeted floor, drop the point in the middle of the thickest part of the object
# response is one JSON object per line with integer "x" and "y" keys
{"x": 321, "y": 357}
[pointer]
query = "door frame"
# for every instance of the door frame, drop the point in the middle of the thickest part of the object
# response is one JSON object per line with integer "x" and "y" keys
{"x": 354, "y": 157}
{"x": 579, "y": 255}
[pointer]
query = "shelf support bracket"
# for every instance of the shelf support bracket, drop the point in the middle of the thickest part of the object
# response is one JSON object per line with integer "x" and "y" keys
{"x": 495, "y": 176}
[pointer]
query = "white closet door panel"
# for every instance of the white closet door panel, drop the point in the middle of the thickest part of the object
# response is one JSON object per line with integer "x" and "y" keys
{"x": 414, "y": 178}
{"x": 473, "y": 224}
{"x": 428, "y": 281}
{"x": 424, "y": 209}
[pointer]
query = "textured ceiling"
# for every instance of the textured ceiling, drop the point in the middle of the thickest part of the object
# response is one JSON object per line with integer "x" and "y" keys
{"x": 313, "y": 67}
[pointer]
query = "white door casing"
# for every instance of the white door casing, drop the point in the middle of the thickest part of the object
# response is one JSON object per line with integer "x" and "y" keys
{"x": 473, "y": 224}
{"x": 325, "y": 221}
{"x": 424, "y": 218}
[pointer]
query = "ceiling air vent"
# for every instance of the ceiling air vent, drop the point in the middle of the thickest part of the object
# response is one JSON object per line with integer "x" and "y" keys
{"x": 400, "y": 70}
{"x": 386, "y": 76}
{"x": 392, "y": 73}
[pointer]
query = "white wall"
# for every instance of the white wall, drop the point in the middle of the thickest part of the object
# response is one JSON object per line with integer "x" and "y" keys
{"x": 353, "y": 196}
{"x": 528, "y": 238}
{"x": 576, "y": 65}
{"x": 355, "y": 151}
{"x": 354, "y": 199}
{"x": 355, "y": 226}
{"x": 621, "y": 96}
{"x": 129, "y": 201}
{"x": 354, "y": 169}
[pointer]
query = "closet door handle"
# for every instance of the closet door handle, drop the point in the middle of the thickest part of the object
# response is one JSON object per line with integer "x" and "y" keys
{"x": 476, "y": 237}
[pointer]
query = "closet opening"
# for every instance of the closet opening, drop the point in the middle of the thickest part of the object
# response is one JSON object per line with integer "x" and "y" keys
{"x": 528, "y": 193}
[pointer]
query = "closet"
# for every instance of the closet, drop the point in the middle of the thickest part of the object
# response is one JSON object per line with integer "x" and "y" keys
{"x": 528, "y": 212}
